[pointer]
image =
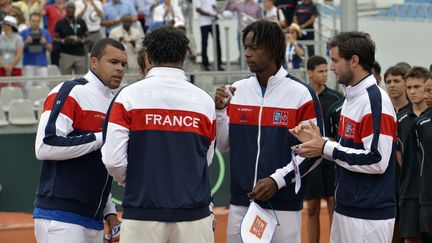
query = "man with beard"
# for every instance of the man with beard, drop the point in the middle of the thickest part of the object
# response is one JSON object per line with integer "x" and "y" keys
{"x": 365, "y": 204}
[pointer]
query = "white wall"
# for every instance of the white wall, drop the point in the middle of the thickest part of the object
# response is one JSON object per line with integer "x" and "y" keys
{"x": 398, "y": 41}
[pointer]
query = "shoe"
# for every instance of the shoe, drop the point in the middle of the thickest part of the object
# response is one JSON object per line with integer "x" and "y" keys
{"x": 221, "y": 68}
{"x": 206, "y": 68}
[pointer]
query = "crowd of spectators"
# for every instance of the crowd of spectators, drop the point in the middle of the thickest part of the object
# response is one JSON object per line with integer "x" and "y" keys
{"x": 64, "y": 31}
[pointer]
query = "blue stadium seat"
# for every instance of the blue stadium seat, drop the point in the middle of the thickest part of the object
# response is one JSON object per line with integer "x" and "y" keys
{"x": 403, "y": 11}
{"x": 412, "y": 11}
{"x": 429, "y": 13}
{"x": 421, "y": 13}
{"x": 392, "y": 12}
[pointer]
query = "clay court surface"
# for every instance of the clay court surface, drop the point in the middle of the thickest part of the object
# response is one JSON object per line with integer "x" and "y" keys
{"x": 18, "y": 227}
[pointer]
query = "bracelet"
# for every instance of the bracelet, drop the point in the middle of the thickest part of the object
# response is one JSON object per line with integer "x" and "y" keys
{"x": 322, "y": 149}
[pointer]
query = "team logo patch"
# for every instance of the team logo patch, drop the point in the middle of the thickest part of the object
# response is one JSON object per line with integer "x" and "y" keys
{"x": 350, "y": 130}
{"x": 280, "y": 117}
{"x": 258, "y": 227}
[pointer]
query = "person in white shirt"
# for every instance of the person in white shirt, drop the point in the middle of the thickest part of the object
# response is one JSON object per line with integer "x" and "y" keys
{"x": 130, "y": 37}
{"x": 207, "y": 16}
{"x": 272, "y": 13}
{"x": 167, "y": 13}
{"x": 91, "y": 11}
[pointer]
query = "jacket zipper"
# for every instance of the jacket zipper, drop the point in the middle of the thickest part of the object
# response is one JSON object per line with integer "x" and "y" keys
{"x": 258, "y": 141}
{"x": 100, "y": 199}
{"x": 340, "y": 139}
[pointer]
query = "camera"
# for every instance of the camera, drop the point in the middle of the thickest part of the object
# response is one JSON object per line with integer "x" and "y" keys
{"x": 35, "y": 46}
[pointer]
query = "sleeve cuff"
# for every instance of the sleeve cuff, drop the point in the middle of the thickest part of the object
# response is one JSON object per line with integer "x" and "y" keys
{"x": 280, "y": 181}
{"x": 99, "y": 141}
{"x": 329, "y": 147}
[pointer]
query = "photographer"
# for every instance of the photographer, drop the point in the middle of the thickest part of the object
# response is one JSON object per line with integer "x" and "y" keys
{"x": 36, "y": 42}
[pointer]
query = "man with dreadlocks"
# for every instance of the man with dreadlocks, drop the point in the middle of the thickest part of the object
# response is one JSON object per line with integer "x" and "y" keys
{"x": 253, "y": 118}
{"x": 159, "y": 143}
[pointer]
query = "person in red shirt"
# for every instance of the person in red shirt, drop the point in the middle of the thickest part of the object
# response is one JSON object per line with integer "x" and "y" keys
{"x": 54, "y": 12}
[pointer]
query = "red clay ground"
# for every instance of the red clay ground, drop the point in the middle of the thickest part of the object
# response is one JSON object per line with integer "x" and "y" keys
{"x": 18, "y": 227}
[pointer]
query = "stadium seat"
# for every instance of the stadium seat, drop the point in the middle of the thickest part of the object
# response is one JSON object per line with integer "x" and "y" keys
{"x": 37, "y": 92}
{"x": 421, "y": 13}
{"x": 412, "y": 11}
{"x": 3, "y": 121}
{"x": 9, "y": 93}
{"x": 403, "y": 11}
{"x": 392, "y": 12}
{"x": 21, "y": 112}
{"x": 53, "y": 70}
{"x": 429, "y": 13}
{"x": 39, "y": 105}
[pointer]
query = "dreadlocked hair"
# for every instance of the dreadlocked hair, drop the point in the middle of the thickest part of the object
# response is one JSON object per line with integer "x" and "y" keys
{"x": 268, "y": 36}
{"x": 166, "y": 45}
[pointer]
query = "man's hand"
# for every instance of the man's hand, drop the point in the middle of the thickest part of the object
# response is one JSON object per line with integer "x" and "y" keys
{"x": 264, "y": 189}
{"x": 112, "y": 220}
{"x": 43, "y": 41}
{"x": 305, "y": 133}
{"x": 312, "y": 142}
{"x": 223, "y": 97}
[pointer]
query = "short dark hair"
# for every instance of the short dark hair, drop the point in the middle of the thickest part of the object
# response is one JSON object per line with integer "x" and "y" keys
{"x": 98, "y": 49}
{"x": 418, "y": 72}
{"x": 269, "y": 36}
{"x": 35, "y": 13}
{"x": 314, "y": 61}
{"x": 355, "y": 43}
{"x": 166, "y": 45}
{"x": 376, "y": 67}
{"x": 404, "y": 64}
{"x": 395, "y": 71}
{"x": 140, "y": 58}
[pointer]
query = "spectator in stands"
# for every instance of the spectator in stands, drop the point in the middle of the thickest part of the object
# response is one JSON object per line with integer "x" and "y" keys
{"x": 248, "y": 11}
{"x": 287, "y": 7}
{"x": 272, "y": 13}
{"x": 36, "y": 42}
{"x": 322, "y": 180}
{"x": 208, "y": 15}
{"x": 73, "y": 197}
{"x": 16, "y": 12}
{"x": 11, "y": 48}
{"x": 72, "y": 33}
{"x": 305, "y": 15}
{"x": 29, "y": 6}
{"x": 294, "y": 52}
{"x": 91, "y": 12}
{"x": 114, "y": 10}
{"x": 54, "y": 13}
{"x": 395, "y": 85}
{"x": 409, "y": 206}
{"x": 145, "y": 9}
{"x": 167, "y": 13}
{"x": 376, "y": 71}
{"x": 130, "y": 37}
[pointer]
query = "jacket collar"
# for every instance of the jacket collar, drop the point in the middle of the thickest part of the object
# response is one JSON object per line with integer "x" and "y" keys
{"x": 167, "y": 72}
{"x": 354, "y": 91}
{"x": 97, "y": 83}
{"x": 275, "y": 79}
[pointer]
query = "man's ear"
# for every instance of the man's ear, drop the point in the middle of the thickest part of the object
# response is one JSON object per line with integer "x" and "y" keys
{"x": 355, "y": 61}
{"x": 93, "y": 63}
